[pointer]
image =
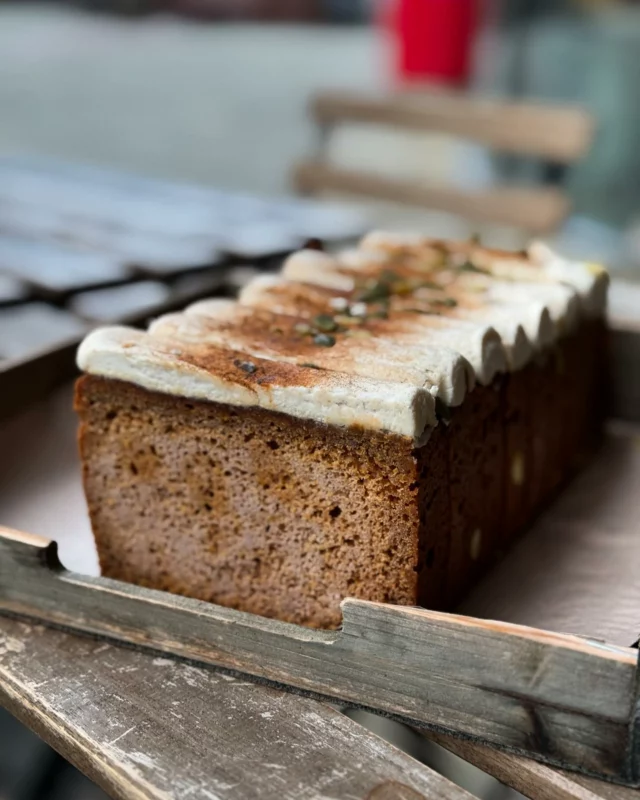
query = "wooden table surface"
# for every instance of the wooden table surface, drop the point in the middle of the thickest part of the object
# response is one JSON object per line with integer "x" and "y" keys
{"x": 150, "y": 727}
{"x": 143, "y": 726}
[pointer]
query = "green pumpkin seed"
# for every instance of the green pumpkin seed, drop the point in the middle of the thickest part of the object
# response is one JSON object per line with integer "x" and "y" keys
{"x": 325, "y": 322}
{"x": 469, "y": 266}
{"x": 324, "y": 339}
{"x": 375, "y": 290}
{"x": 245, "y": 366}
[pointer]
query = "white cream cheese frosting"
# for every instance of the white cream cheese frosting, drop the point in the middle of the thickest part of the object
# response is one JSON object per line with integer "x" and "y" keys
{"x": 590, "y": 280}
{"x": 487, "y": 356}
{"x": 478, "y": 343}
{"x": 540, "y": 264}
{"x": 524, "y": 327}
{"x": 440, "y": 370}
{"x": 313, "y": 266}
{"x": 323, "y": 396}
{"x": 370, "y": 337}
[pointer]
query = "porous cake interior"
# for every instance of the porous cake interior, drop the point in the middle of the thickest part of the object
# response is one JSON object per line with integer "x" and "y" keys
{"x": 252, "y": 508}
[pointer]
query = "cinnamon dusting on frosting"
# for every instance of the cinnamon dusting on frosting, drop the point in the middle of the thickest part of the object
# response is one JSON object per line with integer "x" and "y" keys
{"x": 372, "y": 336}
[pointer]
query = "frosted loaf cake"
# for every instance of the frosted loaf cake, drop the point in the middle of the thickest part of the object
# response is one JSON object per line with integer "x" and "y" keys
{"x": 379, "y": 424}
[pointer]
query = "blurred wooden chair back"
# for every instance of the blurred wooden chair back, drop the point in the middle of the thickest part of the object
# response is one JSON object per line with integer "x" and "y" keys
{"x": 557, "y": 136}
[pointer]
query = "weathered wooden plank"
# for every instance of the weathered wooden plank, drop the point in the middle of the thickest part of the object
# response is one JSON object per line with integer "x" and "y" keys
{"x": 57, "y": 684}
{"x": 558, "y": 698}
{"x": 145, "y": 727}
{"x": 534, "y": 780}
{"x": 537, "y": 210}
{"x": 557, "y": 133}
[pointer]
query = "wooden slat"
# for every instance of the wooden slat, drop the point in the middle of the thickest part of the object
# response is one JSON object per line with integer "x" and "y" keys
{"x": 558, "y": 134}
{"x": 559, "y": 698}
{"x": 538, "y": 210}
{"x": 534, "y": 780}
{"x": 145, "y": 727}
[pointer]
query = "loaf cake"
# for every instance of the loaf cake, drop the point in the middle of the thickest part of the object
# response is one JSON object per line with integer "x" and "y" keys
{"x": 379, "y": 423}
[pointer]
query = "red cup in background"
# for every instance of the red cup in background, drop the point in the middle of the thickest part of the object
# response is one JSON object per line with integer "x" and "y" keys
{"x": 432, "y": 39}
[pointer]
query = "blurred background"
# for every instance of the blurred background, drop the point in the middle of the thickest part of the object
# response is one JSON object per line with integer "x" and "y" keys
{"x": 142, "y": 141}
{"x": 176, "y": 88}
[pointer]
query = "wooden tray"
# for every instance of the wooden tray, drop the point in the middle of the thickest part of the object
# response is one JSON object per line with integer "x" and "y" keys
{"x": 555, "y": 696}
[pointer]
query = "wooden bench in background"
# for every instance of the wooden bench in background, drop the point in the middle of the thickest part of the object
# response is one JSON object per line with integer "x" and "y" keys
{"x": 558, "y": 136}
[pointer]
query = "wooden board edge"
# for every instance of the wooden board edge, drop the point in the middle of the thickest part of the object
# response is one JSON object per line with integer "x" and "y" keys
{"x": 633, "y": 748}
{"x": 37, "y": 664}
{"x": 531, "y": 778}
{"x": 71, "y": 746}
{"x": 515, "y": 127}
{"x": 538, "y": 210}
{"x": 220, "y": 637}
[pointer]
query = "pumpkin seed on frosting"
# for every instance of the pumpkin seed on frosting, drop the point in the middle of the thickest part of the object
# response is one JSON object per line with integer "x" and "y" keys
{"x": 325, "y": 323}
{"x": 374, "y": 289}
{"x": 246, "y": 366}
{"x": 469, "y": 266}
{"x": 324, "y": 339}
